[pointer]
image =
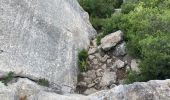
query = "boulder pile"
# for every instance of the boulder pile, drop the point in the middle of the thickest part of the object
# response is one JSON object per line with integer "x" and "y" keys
{"x": 108, "y": 64}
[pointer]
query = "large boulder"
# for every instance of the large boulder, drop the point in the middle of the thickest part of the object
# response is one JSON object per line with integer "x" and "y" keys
{"x": 111, "y": 40}
{"x": 41, "y": 38}
{"x": 25, "y": 89}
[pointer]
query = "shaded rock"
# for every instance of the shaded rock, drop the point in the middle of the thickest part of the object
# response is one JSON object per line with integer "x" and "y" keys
{"x": 82, "y": 84}
{"x": 41, "y": 40}
{"x": 97, "y": 55}
{"x": 120, "y": 49}
{"x": 94, "y": 43}
{"x": 95, "y": 61}
{"x": 109, "y": 61}
{"x": 91, "y": 74}
{"x": 90, "y": 91}
{"x": 88, "y": 80}
{"x": 97, "y": 80}
{"x": 92, "y": 51}
{"x": 112, "y": 86}
{"x": 108, "y": 77}
{"x": 99, "y": 72}
{"x": 91, "y": 57}
{"x": 104, "y": 67}
{"x": 84, "y": 74}
{"x": 103, "y": 59}
{"x": 91, "y": 85}
{"x": 111, "y": 40}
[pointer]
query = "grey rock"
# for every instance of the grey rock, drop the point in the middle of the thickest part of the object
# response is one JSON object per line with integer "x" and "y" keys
{"x": 92, "y": 50}
{"x": 134, "y": 65}
{"x": 95, "y": 61}
{"x": 103, "y": 59}
{"x": 84, "y": 74}
{"x": 82, "y": 84}
{"x": 97, "y": 80}
{"x": 94, "y": 43}
{"x": 88, "y": 80}
{"x": 91, "y": 85}
{"x": 118, "y": 64}
{"x": 97, "y": 55}
{"x": 108, "y": 77}
{"x": 41, "y": 38}
{"x": 95, "y": 67}
{"x": 112, "y": 86}
{"x": 91, "y": 74}
{"x": 120, "y": 49}
{"x": 109, "y": 61}
{"x": 111, "y": 40}
{"x": 127, "y": 68}
{"x": 90, "y": 91}
{"x": 99, "y": 72}
{"x": 91, "y": 57}
{"x": 152, "y": 90}
{"x": 118, "y": 10}
{"x": 104, "y": 66}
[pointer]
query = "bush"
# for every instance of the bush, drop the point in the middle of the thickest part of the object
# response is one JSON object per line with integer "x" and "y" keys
{"x": 82, "y": 60}
{"x": 8, "y": 78}
{"x": 98, "y": 8}
{"x": 127, "y": 7}
{"x": 43, "y": 82}
{"x": 149, "y": 40}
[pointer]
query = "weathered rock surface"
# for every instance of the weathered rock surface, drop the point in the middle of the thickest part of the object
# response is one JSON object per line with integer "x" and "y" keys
{"x": 152, "y": 90}
{"x": 111, "y": 40}
{"x": 40, "y": 38}
{"x": 108, "y": 78}
{"x": 120, "y": 49}
{"x": 118, "y": 64}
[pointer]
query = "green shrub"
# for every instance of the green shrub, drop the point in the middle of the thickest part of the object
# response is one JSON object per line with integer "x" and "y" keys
{"x": 149, "y": 40}
{"x": 82, "y": 60}
{"x": 98, "y": 8}
{"x": 43, "y": 82}
{"x": 8, "y": 78}
{"x": 127, "y": 7}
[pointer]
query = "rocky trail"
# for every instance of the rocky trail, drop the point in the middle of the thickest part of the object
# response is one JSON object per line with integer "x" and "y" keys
{"x": 108, "y": 65}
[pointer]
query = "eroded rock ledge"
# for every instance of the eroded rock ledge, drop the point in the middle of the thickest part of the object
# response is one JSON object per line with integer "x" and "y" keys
{"x": 28, "y": 90}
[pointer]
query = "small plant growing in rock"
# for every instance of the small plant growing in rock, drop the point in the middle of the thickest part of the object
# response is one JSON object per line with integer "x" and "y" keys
{"x": 82, "y": 60}
{"x": 8, "y": 78}
{"x": 43, "y": 82}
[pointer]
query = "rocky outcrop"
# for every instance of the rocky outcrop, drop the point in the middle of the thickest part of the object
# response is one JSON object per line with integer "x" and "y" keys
{"x": 28, "y": 90}
{"x": 40, "y": 39}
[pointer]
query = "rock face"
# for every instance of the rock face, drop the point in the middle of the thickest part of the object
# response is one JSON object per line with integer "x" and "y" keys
{"x": 152, "y": 90}
{"x": 40, "y": 39}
